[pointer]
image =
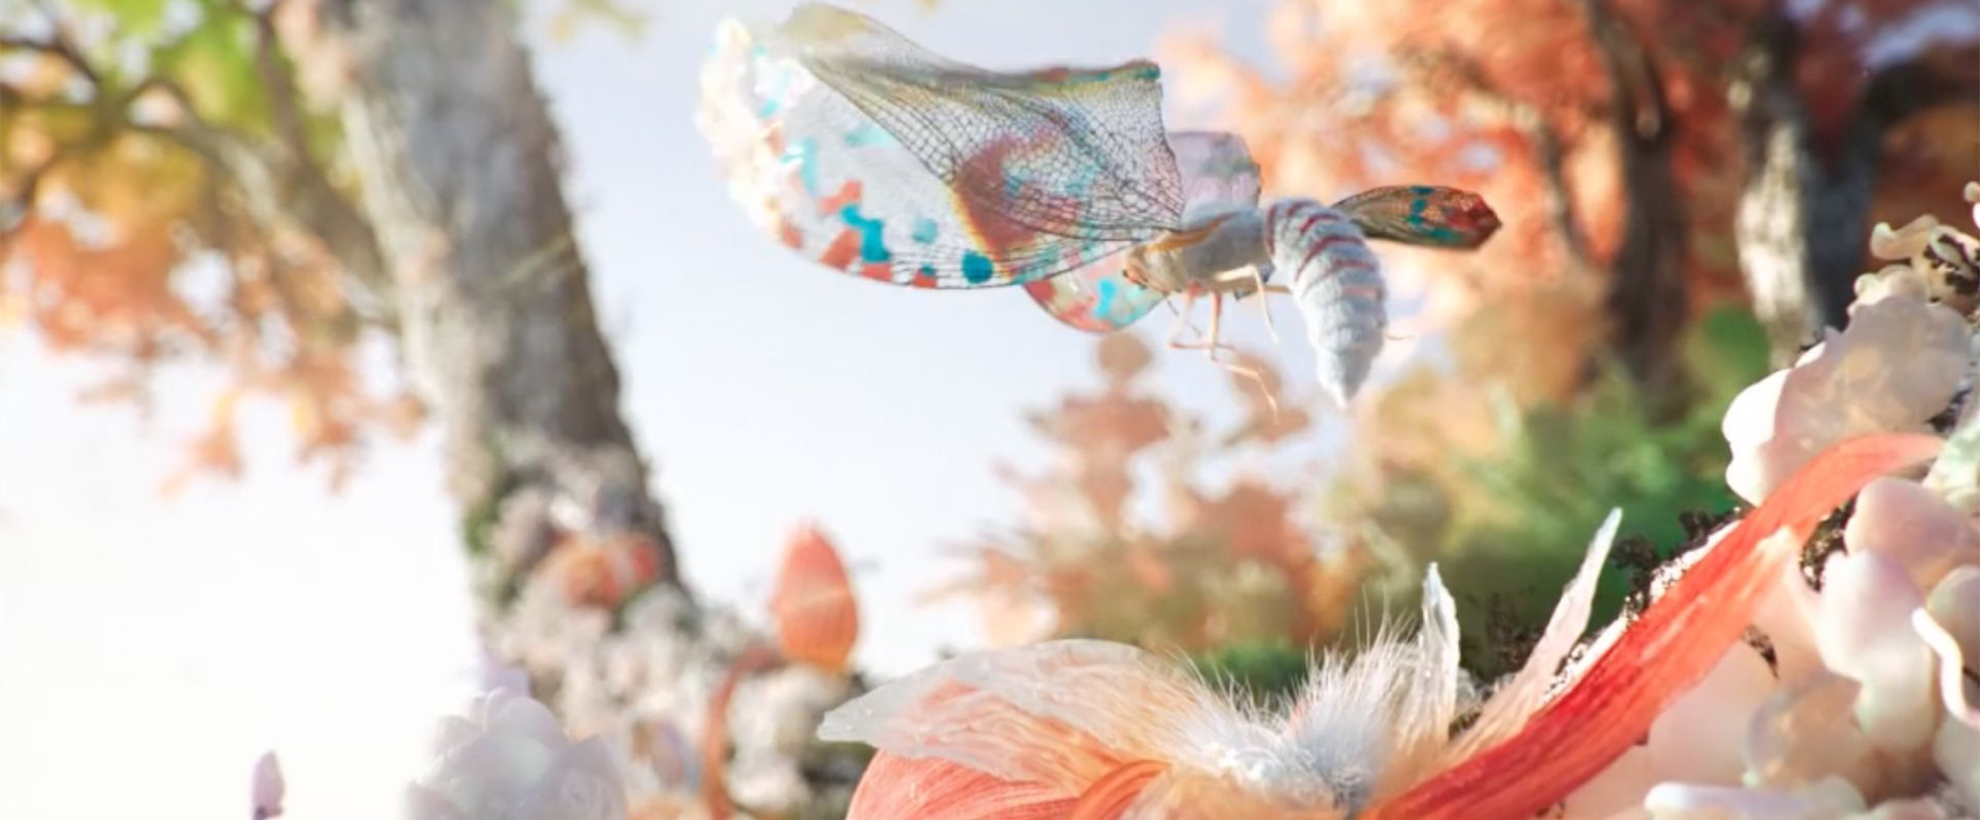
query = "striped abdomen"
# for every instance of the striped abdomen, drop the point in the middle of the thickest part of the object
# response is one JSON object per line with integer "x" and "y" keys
{"x": 1337, "y": 284}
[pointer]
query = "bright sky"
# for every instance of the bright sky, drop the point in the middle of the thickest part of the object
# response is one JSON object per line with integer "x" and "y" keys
{"x": 149, "y": 650}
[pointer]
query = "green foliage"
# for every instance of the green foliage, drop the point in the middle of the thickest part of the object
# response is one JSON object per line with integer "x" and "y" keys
{"x": 134, "y": 17}
{"x": 1266, "y": 673}
{"x": 214, "y": 62}
{"x": 1562, "y": 469}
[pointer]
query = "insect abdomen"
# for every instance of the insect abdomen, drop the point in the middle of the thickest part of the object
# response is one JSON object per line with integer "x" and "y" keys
{"x": 1337, "y": 284}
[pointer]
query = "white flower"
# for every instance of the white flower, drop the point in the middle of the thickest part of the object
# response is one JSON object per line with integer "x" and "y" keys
{"x": 508, "y": 759}
{"x": 1897, "y": 366}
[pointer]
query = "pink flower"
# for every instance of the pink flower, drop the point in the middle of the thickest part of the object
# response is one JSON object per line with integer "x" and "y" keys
{"x": 267, "y": 790}
{"x": 1896, "y": 366}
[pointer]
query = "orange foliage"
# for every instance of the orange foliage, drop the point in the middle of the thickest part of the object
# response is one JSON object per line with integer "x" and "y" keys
{"x": 817, "y": 615}
{"x": 1230, "y": 566}
{"x": 128, "y": 232}
{"x": 1513, "y": 99}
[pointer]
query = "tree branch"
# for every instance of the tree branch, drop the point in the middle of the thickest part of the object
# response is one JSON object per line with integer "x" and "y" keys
{"x": 1647, "y": 304}
{"x": 279, "y": 85}
{"x": 1639, "y": 89}
{"x": 56, "y": 45}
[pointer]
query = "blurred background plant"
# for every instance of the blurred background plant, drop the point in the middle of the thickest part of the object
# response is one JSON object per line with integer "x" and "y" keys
{"x": 1250, "y": 578}
{"x": 1687, "y": 189}
{"x": 283, "y": 188}
{"x": 1225, "y": 567}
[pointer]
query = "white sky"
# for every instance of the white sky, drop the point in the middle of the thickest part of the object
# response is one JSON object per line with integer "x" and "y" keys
{"x": 149, "y": 650}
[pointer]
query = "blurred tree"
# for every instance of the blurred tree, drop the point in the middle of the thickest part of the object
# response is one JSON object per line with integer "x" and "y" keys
{"x": 1671, "y": 145}
{"x": 1227, "y": 568}
{"x": 276, "y": 184}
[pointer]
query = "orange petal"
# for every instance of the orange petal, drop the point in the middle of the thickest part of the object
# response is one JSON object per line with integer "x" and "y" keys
{"x": 816, "y": 613}
{"x": 926, "y": 788}
{"x": 1109, "y": 797}
{"x": 1671, "y": 646}
{"x": 1066, "y": 713}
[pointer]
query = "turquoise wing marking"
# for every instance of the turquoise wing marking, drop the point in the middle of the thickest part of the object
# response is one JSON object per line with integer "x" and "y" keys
{"x": 1097, "y": 298}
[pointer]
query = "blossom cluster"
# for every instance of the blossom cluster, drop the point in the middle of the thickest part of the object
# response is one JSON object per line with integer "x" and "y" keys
{"x": 1861, "y": 695}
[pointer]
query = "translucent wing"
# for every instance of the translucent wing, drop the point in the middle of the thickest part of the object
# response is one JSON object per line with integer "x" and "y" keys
{"x": 1422, "y": 215}
{"x": 1218, "y": 173}
{"x": 877, "y": 157}
{"x": 1097, "y": 298}
{"x": 823, "y": 178}
{"x": 1218, "y": 176}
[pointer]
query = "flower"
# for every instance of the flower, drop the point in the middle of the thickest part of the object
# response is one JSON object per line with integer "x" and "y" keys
{"x": 508, "y": 759}
{"x": 1091, "y": 730}
{"x": 267, "y": 789}
{"x": 1897, "y": 366}
{"x": 816, "y": 613}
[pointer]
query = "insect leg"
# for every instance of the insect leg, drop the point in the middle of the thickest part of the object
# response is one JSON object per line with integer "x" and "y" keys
{"x": 1241, "y": 370}
{"x": 1258, "y": 276}
{"x": 1174, "y": 341}
{"x": 1207, "y": 341}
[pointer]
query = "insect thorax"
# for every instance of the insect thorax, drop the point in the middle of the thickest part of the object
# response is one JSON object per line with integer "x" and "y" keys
{"x": 1201, "y": 254}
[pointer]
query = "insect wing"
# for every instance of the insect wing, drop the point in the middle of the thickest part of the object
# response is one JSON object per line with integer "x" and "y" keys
{"x": 821, "y": 177}
{"x": 1218, "y": 173}
{"x": 1097, "y": 298}
{"x": 1043, "y": 171}
{"x": 1422, "y": 215}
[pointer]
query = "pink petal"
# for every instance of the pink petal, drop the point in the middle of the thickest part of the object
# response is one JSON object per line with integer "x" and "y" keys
{"x": 905, "y": 788}
{"x": 1617, "y": 792}
{"x": 1957, "y": 752}
{"x": 268, "y": 787}
{"x": 1865, "y": 633}
{"x": 1911, "y": 525}
{"x": 1897, "y": 365}
{"x": 1698, "y": 738}
{"x": 1064, "y": 713}
{"x": 1682, "y": 801}
{"x": 1805, "y": 733}
{"x": 1949, "y": 623}
{"x": 1786, "y": 618}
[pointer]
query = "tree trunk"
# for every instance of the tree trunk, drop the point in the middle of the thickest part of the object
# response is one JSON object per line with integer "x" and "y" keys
{"x": 1789, "y": 264}
{"x": 458, "y": 161}
{"x": 1801, "y": 225}
{"x": 1647, "y": 305}
{"x": 458, "y": 156}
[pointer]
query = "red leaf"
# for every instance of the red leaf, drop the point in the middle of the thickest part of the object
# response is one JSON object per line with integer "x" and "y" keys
{"x": 1673, "y": 645}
